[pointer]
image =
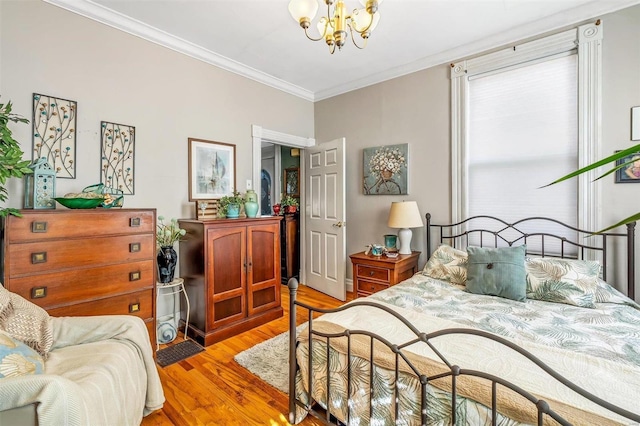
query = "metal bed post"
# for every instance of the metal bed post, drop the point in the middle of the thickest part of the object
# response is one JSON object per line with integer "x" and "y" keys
{"x": 293, "y": 290}
{"x": 631, "y": 257}
{"x": 428, "y": 216}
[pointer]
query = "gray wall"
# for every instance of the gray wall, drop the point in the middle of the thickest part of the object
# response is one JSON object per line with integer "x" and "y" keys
{"x": 117, "y": 77}
{"x": 415, "y": 109}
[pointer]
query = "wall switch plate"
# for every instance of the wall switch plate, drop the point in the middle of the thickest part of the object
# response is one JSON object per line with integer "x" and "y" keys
{"x": 249, "y": 184}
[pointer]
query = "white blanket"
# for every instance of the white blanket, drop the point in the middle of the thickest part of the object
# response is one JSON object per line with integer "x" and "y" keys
{"x": 100, "y": 371}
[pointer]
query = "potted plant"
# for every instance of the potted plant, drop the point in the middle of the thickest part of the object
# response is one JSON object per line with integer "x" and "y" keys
{"x": 166, "y": 236}
{"x": 290, "y": 204}
{"x": 11, "y": 163}
{"x": 229, "y": 205}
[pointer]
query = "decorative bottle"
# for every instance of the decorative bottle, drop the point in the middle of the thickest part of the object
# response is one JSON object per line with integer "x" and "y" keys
{"x": 251, "y": 203}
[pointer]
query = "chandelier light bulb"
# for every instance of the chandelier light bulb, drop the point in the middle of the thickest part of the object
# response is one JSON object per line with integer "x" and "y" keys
{"x": 303, "y": 10}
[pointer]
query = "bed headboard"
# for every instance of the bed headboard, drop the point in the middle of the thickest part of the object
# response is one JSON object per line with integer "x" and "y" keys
{"x": 556, "y": 239}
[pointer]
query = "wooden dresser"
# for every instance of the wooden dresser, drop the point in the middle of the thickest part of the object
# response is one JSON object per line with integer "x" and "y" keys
{"x": 231, "y": 269}
{"x": 374, "y": 273}
{"x": 83, "y": 262}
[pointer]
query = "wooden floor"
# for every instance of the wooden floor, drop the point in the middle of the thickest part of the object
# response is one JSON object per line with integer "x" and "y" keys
{"x": 212, "y": 389}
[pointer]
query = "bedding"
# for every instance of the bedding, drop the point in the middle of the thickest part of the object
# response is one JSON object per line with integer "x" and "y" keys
{"x": 603, "y": 341}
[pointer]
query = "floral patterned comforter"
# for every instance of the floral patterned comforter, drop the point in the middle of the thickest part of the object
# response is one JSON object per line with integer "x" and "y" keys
{"x": 590, "y": 345}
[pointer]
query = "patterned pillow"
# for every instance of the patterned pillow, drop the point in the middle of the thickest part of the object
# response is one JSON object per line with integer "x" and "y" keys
{"x": 28, "y": 323}
{"x": 447, "y": 264}
{"x": 573, "y": 282}
{"x": 17, "y": 359}
{"x": 605, "y": 293}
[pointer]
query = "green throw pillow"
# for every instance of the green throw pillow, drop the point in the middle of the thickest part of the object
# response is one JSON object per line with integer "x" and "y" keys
{"x": 497, "y": 272}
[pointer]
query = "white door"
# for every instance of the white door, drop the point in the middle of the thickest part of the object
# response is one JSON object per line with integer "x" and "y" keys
{"x": 325, "y": 248}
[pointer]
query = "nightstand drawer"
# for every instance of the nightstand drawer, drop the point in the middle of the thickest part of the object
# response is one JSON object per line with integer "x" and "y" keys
{"x": 373, "y": 273}
{"x": 370, "y": 287}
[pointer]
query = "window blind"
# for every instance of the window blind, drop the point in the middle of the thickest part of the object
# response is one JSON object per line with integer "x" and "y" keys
{"x": 522, "y": 134}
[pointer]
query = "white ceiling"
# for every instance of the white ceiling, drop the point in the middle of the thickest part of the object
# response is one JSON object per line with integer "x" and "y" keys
{"x": 260, "y": 40}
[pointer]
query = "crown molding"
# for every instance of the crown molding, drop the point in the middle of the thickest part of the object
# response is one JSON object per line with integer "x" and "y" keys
{"x": 558, "y": 21}
{"x": 117, "y": 20}
{"x": 91, "y": 10}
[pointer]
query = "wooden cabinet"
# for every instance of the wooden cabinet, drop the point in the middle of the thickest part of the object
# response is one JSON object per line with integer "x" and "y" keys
{"x": 83, "y": 262}
{"x": 290, "y": 247}
{"x": 374, "y": 273}
{"x": 231, "y": 269}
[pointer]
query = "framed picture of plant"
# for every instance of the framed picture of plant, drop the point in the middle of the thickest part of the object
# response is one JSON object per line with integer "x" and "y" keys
{"x": 54, "y": 133}
{"x": 386, "y": 170}
{"x": 117, "y": 165}
{"x": 630, "y": 173}
{"x": 292, "y": 181}
{"x": 212, "y": 169}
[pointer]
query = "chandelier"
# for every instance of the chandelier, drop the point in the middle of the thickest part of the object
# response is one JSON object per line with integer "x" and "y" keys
{"x": 333, "y": 27}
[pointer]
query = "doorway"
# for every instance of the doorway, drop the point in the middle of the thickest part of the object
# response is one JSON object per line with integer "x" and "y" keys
{"x": 285, "y": 143}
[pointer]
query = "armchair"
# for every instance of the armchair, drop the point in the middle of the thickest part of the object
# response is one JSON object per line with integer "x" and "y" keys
{"x": 98, "y": 370}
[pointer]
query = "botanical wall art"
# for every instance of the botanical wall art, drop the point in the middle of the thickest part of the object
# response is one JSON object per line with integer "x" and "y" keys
{"x": 386, "y": 170}
{"x": 630, "y": 172}
{"x": 54, "y": 133}
{"x": 117, "y": 156}
{"x": 212, "y": 169}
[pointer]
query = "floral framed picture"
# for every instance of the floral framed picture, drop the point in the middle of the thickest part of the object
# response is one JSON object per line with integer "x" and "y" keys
{"x": 117, "y": 160}
{"x": 386, "y": 170}
{"x": 630, "y": 172}
{"x": 54, "y": 133}
{"x": 212, "y": 169}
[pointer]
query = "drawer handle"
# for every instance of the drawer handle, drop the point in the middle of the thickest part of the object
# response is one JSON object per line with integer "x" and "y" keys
{"x": 40, "y": 257}
{"x": 38, "y": 292}
{"x": 134, "y": 247}
{"x": 135, "y": 276}
{"x": 370, "y": 273}
{"x": 38, "y": 227}
{"x": 134, "y": 307}
{"x": 134, "y": 221}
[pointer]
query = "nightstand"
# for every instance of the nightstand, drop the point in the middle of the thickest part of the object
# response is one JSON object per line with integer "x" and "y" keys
{"x": 374, "y": 273}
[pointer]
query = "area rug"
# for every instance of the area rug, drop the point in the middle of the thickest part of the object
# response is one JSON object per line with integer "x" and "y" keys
{"x": 178, "y": 352}
{"x": 269, "y": 360}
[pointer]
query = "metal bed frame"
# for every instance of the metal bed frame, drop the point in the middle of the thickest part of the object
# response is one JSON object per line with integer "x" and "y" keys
{"x": 452, "y": 234}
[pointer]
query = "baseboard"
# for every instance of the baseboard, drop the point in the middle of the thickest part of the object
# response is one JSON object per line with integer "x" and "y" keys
{"x": 349, "y": 283}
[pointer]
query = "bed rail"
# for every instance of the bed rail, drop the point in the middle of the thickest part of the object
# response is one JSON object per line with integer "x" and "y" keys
{"x": 496, "y": 232}
{"x": 454, "y": 372}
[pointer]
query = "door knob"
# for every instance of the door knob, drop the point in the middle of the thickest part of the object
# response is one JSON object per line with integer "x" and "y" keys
{"x": 339, "y": 224}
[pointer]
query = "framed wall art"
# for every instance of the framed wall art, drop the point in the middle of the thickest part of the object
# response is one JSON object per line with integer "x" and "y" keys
{"x": 635, "y": 123}
{"x": 292, "y": 181}
{"x": 630, "y": 173}
{"x": 386, "y": 170}
{"x": 212, "y": 169}
{"x": 54, "y": 133}
{"x": 117, "y": 165}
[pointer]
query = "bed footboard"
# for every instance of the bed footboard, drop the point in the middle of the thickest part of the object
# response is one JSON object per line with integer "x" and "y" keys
{"x": 456, "y": 378}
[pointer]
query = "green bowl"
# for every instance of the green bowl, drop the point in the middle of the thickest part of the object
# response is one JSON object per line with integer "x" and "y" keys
{"x": 79, "y": 203}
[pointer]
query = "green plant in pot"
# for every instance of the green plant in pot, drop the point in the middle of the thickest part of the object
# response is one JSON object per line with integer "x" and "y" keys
{"x": 621, "y": 155}
{"x": 289, "y": 204}
{"x": 11, "y": 162}
{"x": 229, "y": 205}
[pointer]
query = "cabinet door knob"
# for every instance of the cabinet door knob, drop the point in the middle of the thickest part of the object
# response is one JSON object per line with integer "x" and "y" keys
{"x": 370, "y": 273}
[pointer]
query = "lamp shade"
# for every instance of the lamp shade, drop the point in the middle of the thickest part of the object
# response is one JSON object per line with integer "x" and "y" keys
{"x": 404, "y": 214}
{"x": 303, "y": 9}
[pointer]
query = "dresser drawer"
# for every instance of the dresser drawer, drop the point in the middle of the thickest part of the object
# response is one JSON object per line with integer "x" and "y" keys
{"x": 79, "y": 285}
{"x": 78, "y": 223}
{"x": 370, "y": 287}
{"x": 117, "y": 305}
{"x": 49, "y": 256}
{"x": 373, "y": 272}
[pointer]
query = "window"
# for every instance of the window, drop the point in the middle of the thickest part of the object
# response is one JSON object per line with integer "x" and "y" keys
{"x": 522, "y": 117}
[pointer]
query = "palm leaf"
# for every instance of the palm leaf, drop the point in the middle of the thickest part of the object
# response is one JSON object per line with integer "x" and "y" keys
{"x": 617, "y": 156}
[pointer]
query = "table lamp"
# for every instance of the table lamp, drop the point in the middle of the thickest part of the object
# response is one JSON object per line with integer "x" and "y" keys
{"x": 405, "y": 215}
